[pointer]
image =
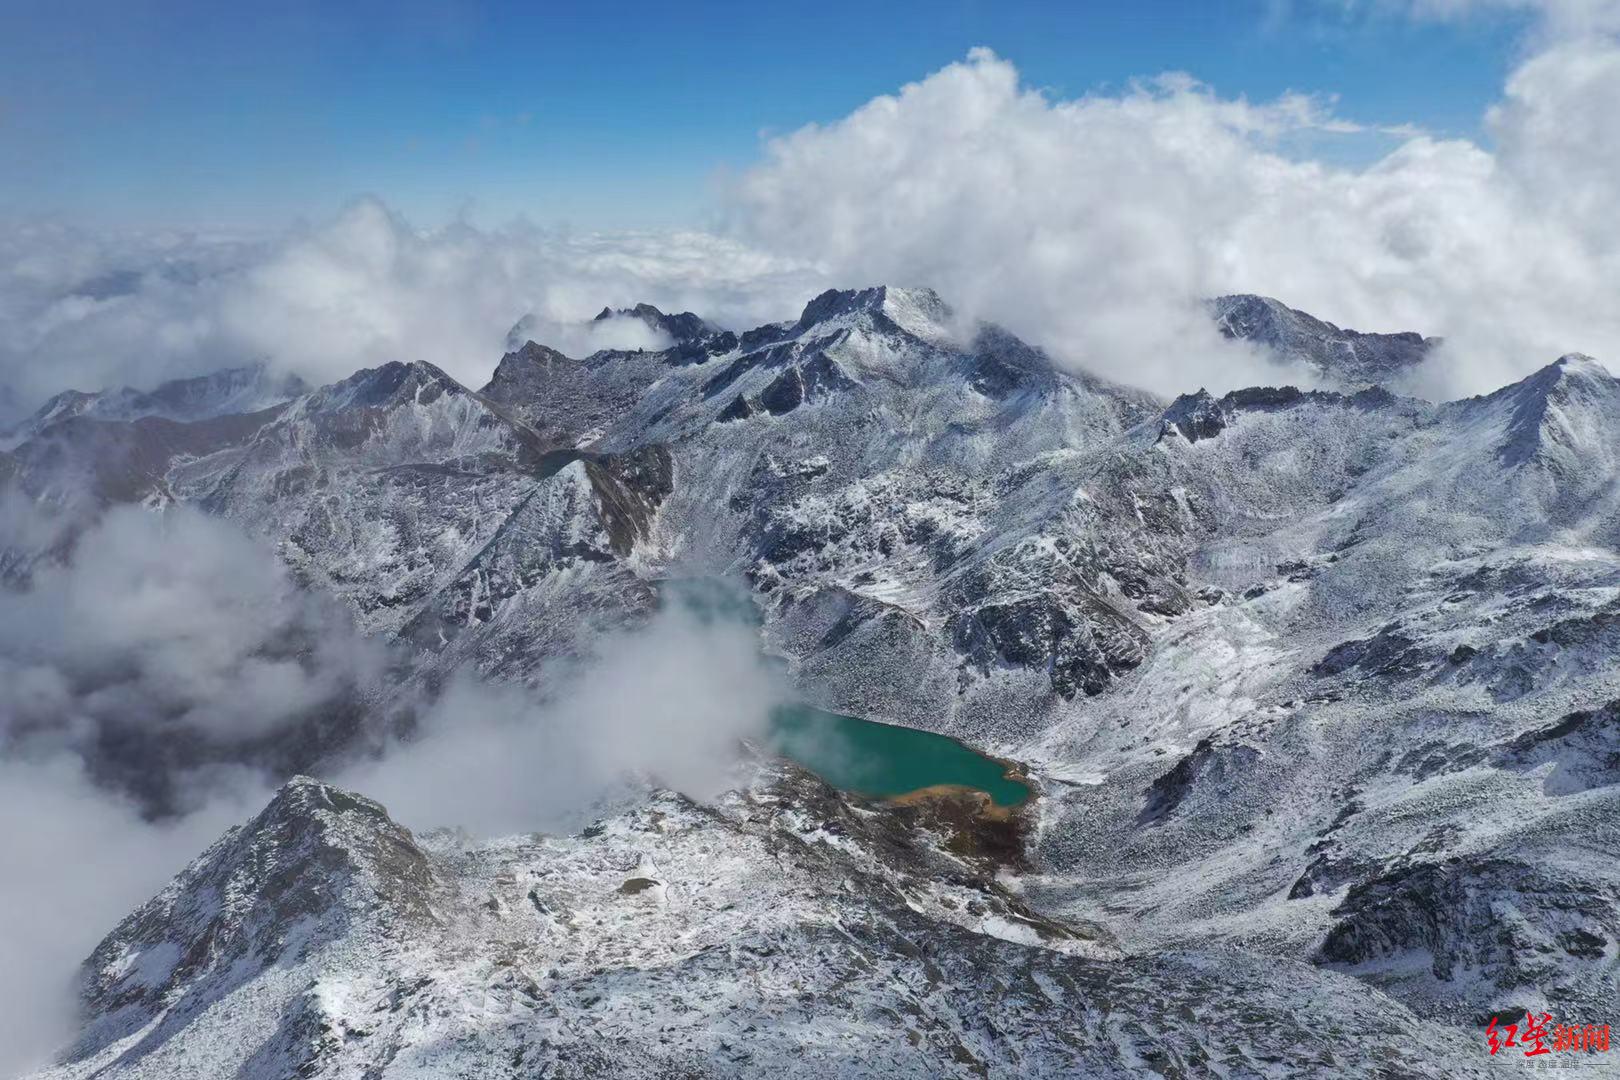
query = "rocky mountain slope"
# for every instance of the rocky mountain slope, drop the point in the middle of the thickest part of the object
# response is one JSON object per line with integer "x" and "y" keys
{"x": 1348, "y": 359}
{"x": 1317, "y": 688}
{"x": 232, "y": 390}
{"x": 780, "y": 931}
{"x": 1380, "y": 712}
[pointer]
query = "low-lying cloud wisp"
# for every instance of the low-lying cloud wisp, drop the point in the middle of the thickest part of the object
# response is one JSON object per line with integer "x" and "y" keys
{"x": 666, "y": 703}
{"x": 157, "y": 685}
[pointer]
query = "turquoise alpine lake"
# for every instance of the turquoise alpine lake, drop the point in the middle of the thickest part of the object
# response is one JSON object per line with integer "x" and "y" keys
{"x": 866, "y": 757}
{"x": 883, "y": 760}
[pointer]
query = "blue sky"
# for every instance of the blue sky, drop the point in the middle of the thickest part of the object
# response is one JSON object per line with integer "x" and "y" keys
{"x": 602, "y": 115}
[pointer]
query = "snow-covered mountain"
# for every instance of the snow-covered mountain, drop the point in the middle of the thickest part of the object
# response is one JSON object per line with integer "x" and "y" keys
{"x": 1317, "y": 689}
{"x": 245, "y": 389}
{"x": 779, "y": 931}
{"x": 1346, "y": 358}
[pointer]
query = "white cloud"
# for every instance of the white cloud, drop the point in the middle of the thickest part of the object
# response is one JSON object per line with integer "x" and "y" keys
{"x": 622, "y": 332}
{"x": 1091, "y": 225}
{"x": 666, "y": 702}
{"x": 1094, "y": 225}
{"x": 171, "y": 625}
{"x": 1555, "y": 18}
{"x": 77, "y": 860}
{"x": 87, "y": 311}
{"x": 169, "y": 633}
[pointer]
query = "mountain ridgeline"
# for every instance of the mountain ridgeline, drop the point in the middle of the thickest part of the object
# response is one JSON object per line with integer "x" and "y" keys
{"x": 1316, "y": 689}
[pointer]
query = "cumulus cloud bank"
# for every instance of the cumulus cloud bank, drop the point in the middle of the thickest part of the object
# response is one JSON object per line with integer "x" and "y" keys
{"x": 1095, "y": 225}
{"x": 1092, "y": 226}
{"x": 170, "y": 652}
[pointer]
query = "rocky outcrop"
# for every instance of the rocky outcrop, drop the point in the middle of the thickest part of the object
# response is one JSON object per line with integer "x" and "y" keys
{"x": 1195, "y": 416}
{"x": 1345, "y": 356}
{"x": 316, "y": 867}
{"x": 1209, "y": 765}
{"x": 1521, "y": 929}
{"x": 1387, "y": 653}
{"x": 1081, "y": 642}
{"x": 739, "y": 409}
{"x": 683, "y": 328}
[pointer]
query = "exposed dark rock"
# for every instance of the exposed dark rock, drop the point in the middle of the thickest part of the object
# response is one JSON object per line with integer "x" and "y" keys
{"x": 836, "y": 302}
{"x": 703, "y": 349}
{"x": 1388, "y": 652}
{"x": 1294, "y": 336}
{"x": 1273, "y": 397}
{"x": 1583, "y": 747}
{"x": 739, "y": 409}
{"x": 1081, "y": 641}
{"x": 1600, "y": 628}
{"x": 1207, "y": 762}
{"x": 824, "y": 376}
{"x": 999, "y": 364}
{"x": 763, "y": 358}
{"x": 1327, "y": 873}
{"x": 684, "y": 328}
{"x": 1196, "y": 416}
{"x": 1452, "y": 912}
{"x": 1433, "y": 757}
{"x": 630, "y": 488}
{"x": 785, "y": 392}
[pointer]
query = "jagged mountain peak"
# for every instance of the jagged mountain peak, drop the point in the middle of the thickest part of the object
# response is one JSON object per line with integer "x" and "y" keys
{"x": 1340, "y": 355}
{"x": 1561, "y": 413}
{"x": 1579, "y": 365}
{"x": 1255, "y": 313}
{"x": 326, "y": 823}
{"x": 304, "y": 798}
{"x": 532, "y": 352}
{"x": 1194, "y": 416}
{"x": 1570, "y": 377}
{"x": 243, "y": 389}
{"x": 315, "y": 832}
{"x": 312, "y": 865}
{"x": 917, "y": 311}
{"x": 682, "y": 327}
{"x": 397, "y": 382}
